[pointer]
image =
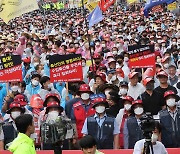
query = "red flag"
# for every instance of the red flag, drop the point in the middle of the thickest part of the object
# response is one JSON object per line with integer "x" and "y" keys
{"x": 105, "y": 4}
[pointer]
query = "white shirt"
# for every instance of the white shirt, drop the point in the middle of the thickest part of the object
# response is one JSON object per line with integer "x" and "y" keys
{"x": 135, "y": 91}
{"x": 158, "y": 148}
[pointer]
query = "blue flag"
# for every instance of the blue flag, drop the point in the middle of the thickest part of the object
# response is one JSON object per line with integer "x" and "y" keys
{"x": 151, "y": 3}
{"x": 95, "y": 16}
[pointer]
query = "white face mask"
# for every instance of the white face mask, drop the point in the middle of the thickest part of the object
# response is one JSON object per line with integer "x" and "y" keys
{"x": 42, "y": 72}
{"x": 158, "y": 60}
{"x": 15, "y": 114}
{"x": 154, "y": 137}
{"x": 126, "y": 59}
{"x": 166, "y": 65}
{"x": 123, "y": 91}
{"x": 50, "y": 86}
{"x": 107, "y": 92}
{"x": 35, "y": 82}
{"x": 103, "y": 45}
{"x": 85, "y": 96}
{"x": 53, "y": 115}
{"x": 115, "y": 52}
{"x": 127, "y": 106}
{"x": 83, "y": 64}
{"x": 100, "y": 109}
{"x": 35, "y": 64}
{"x": 171, "y": 102}
{"x": 113, "y": 78}
{"x": 14, "y": 88}
{"x": 138, "y": 110}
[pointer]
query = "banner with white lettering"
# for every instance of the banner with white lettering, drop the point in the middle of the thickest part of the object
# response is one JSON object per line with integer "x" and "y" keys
{"x": 65, "y": 68}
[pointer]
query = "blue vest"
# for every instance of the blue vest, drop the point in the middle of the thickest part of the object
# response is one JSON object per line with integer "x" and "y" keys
{"x": 9, "y": 132}
{"x": 104, "y": 134}
{"x": 170, "y": 129}
{"x": 134, "y": 131}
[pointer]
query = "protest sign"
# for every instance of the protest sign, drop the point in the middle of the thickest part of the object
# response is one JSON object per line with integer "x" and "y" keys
{"x": 10, "y": 68}
{"x": 65, "y": 68}
{"x": 105, "y": 4}
{"x": 141, "y": 56}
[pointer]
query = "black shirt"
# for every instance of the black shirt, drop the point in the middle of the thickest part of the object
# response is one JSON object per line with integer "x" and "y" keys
{"x": 152, "y": 103}
{"x": 163, "y": 90}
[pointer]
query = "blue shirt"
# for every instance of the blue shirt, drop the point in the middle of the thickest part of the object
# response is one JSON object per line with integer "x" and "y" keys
{"x": 100, "y": 122}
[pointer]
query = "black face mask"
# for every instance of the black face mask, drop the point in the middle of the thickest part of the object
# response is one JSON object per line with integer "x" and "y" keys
{"x": 120, "y": 61}
{"x": 97, "y": 62}
{"x": 150, "y": 86}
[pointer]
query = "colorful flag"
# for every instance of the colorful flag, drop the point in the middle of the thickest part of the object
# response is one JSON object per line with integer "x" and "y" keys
{"x": 91, "y": 6}
{"x": 9, "y": 9}
{"x": 105, "y": 4}
{"x": 151, "y": 3}
{"x": 172, "y": 6}
{"x": 131, "y": 1}
{"x": 95, "y": 16}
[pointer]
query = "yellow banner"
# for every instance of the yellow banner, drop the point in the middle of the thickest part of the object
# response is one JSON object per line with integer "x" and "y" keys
{"x": 9, "y": 9}
{"x": 172, "y": 6}
{"x": 91, "y": 6}
{"x": 85, "y": 2}
{"x": 131, "y": 1}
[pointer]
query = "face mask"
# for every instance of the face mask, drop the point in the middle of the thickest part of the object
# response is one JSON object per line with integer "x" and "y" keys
{"x": 163, "y": 44}
{"x": 158, "y": 60}
{"x": 166, "y": 65}
{"x": 171, "y": 102}
{"x": 126, "y": 59}
{"x": 83, "y": 64}
{"x": 35, "y": 82}
{"x": 127, "y": 106}
{"x": 53, "y": 115}
{"x": 123, "y": 91}
{"x": 156, "y": 48}
{"x": 15, "y": 114}
{"x": 103, "y": 45}
{"x": 115, "y": 52}
{"x": 150, "y": 86}
{"x": 14, "y": 88}
{"x": 35, "y": 64}
{"x": 97, "y": 43}
{"x": 100, "y": 109}
{"x": 113, "y": 78}
{"x": 42, "y": 72}
{"x": 138, "y": 110}
{"x": 85, "y": 96}
{"x": 174, "y": 43}
{"x": 107, "y": 92}
{"x": 154, "y": 137}
{"x": 50, "y": 86}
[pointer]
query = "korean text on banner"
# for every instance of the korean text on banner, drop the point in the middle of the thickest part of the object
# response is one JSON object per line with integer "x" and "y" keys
{"x": 65, "y": 68}
{"x": 142, "y": 56}
{"x": 9, "y": 9}
{"x": 105, "y": 4}
{"x": 10, "y": 68}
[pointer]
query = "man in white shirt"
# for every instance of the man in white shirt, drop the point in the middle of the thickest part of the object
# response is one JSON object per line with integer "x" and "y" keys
{"x": 158, "y": 147}
{"x": 135, "y": 88}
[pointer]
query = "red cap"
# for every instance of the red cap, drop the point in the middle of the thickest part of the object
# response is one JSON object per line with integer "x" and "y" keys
{"x": 85, "y": 88}
{"x": 162, "y": 73}
{"x": 128, "y": 98}
{"x": 102, "y": 76}
{"x": 132, "y": 74}
{"x": 99, "y": 100}
{"x": 109, "y": 54}
{"x": 147, "y": 80}
{"x": 53, "y": 104}
{"x": 56, "y": 96}
{"x": 138, "y": 101}
{"x": 36, "y": 101}
{"x": 14, "y": 105}
{"x": 168, "y": 93}
{"x": 20, "y": 99}
{"x": 111, "y": 60}
{"x": 27, "y": 60}
{"x": 149, "y": 73}
{"x": 96, "y": 56}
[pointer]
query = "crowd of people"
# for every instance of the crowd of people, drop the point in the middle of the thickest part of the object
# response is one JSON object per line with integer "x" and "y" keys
{"x": 112, "y": 97}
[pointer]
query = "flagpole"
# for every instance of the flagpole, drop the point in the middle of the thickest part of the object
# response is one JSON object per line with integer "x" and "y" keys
{"x": 86, "y": 25}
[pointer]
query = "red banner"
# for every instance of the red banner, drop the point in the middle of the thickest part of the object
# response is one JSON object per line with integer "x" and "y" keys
{"x": 123, "y": 151}
{"x": 10, "y": 68}
{"x": 105, "y": 4}
{"x": 66, "y": 68}
{"x": 141, "y": 56}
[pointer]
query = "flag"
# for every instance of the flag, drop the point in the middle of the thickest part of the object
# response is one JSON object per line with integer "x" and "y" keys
{"x": 105, "y": 4}
{"x": 172, "y": 6}
{"x": 91, "y": 6}
{"x": 9, "y": 9}
{"x": 95, "y": 16}
{"x": 151, "y": 3}
{"x": 131, "y": 1}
